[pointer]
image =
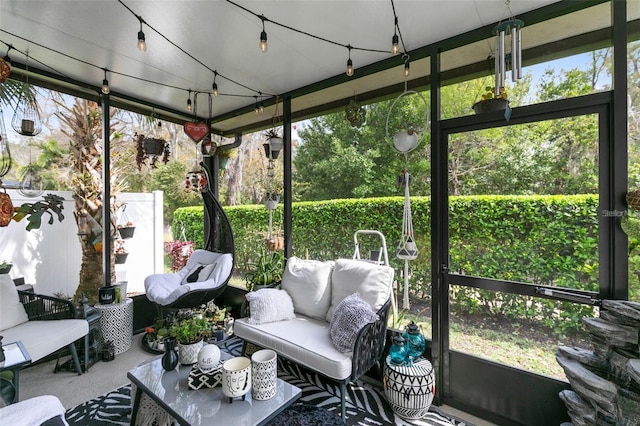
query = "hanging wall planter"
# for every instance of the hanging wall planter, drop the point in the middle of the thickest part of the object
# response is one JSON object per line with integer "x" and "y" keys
{"x": 126, "y": 231}
{"x": 121, "y": 258}
{"x": 489, "y": 105}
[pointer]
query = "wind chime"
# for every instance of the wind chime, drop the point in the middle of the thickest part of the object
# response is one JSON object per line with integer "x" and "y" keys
{"x": 508, "y": 29}
{"x": 405, "y": 141}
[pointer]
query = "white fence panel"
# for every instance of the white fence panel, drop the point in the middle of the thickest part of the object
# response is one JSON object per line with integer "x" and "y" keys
{"x": 49, "y": 258}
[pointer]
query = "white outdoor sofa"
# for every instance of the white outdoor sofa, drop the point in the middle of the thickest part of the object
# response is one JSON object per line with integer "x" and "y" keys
{"x": 306, "y": 322}
{"x": 44, "y": 324}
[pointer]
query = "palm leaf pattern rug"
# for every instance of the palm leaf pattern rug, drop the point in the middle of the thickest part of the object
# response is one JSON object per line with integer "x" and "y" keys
{"x": 366, "y": 404}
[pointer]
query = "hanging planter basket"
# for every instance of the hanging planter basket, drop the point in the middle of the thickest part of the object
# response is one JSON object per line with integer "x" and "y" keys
{"x": 126, "y": 232}
{"x": 488, "y": 105}
{"x": 121, "y": 258}
{"x": 633, "y": 199}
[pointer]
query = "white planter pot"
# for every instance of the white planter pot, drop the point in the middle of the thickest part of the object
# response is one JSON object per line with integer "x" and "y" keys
{"x": 188, "y": 354}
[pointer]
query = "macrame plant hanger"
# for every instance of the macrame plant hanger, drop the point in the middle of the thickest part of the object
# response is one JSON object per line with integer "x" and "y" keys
{"x": 405, "y": 141}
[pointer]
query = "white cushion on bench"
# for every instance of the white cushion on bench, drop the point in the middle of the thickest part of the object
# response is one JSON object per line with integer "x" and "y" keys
{"x": 303, "y": 340}
{"x": 12, "y": 312}
{"x": 373, "y": 282}
{"x": 41, "y": 338}
{"x": 308, "y": 282}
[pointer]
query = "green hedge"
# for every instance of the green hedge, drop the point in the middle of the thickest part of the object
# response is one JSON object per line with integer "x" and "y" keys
{"x": 550, "y": 240}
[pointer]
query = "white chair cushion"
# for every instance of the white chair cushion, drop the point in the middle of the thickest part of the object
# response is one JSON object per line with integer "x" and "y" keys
{"x": 308, "y": 282}
{"x": 41, "y": 338}
{"x": 303, "y": 340}
{"x": 12, "y": 312}
{"x": 164, "y": 289}
{"x": 203, "y": 272}
{"x": 373, "y": 282}
{"x": 269, "y": 305}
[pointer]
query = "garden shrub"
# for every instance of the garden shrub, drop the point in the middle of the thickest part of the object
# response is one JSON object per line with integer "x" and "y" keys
{"x": 543, "y": 240}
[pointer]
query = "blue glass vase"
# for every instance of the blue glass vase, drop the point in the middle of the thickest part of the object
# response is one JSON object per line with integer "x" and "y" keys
{"x": 398, "y": 351}
{"x": 414, "y": 342}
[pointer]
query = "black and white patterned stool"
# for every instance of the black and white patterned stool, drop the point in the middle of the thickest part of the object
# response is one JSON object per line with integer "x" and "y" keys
{"x": 116, "y": 324}
{"x": 409, "y": 388}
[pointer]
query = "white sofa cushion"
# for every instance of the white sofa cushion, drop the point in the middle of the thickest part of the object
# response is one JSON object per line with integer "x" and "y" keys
{"x": 269, "y": 305}
{"x": 350, "y": 316}
{"x": 164, "y": 289}
{"x": 41, "y": 338}
{"x": 308, "y": 282}
{"x": 303, "y": 340}
{"x": 373, "y": 282}
{"x": 12, "y": 312}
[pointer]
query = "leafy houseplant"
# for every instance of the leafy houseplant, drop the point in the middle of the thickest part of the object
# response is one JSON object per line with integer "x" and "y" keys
{"x": 5, "y": 267}
{"x": 266, "y": 270}
{"x": 121, "y": 252}
{"x": 190, "y": 330}
{"x": 490, "y": 101}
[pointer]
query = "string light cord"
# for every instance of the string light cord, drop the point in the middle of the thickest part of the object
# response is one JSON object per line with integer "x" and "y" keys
{"x": 101, "y": 68}
{"x": 326, "y": 40}
{"x": 185, "y": 52}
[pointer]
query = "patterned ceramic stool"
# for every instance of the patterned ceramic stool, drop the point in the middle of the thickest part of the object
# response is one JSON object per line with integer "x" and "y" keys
{"x": 409, "y": 388}
{"x": 116, "y": 324}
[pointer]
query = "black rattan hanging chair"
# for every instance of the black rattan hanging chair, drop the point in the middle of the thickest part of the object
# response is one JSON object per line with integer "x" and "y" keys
{"x": 218, "y": 245}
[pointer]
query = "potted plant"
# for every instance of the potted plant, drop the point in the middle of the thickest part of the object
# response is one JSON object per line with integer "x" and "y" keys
{"x": 126, "y": 230}
{"x": 223, "y": 157}
{"x": 190, "y": 334}
{"x": 5, "y": 267}
{"x": 490, "y": 101}
{"x": 273, "y": 145}
{"x": 120, "y": 252}
{"x": 266, "y": 270}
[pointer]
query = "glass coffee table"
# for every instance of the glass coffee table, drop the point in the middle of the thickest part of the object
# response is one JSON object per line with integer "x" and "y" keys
{"x": 204, "y": 406}
{"x": 15, "y": 357}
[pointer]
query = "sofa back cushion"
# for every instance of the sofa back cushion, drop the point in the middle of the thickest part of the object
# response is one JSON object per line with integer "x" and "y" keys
{"x": 373, "y": 282}
{"x": 308, "y": 284}
{"x": 12, "y": 312}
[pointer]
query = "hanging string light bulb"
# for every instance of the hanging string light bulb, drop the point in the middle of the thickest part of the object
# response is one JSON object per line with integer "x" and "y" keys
{"x": 142, "y": 43}
{"x": 349, "y": 63}
{"x": 5, "y": 66}
{"x": 394, "y": 40}
{"x": 407, "y": 71}
{"x": 510, "y": 28}
{"x": 214, "y": 86}
{"x": 263, "y": 37}
{"x": 256, "y": 107}
{"x": 189, "y": 105}
{"x": 26, "y": 118}
{"x": 261, "y": 106}
{"x": 105, "y": 83}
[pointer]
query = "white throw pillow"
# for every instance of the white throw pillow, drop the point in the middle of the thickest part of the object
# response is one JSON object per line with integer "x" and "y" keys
{"x": 12, "y": 312}
{"x": 349, "y": 317}
{"x": 373, "y": 282}
{"x": 269, "y": 305}
{"x": 198, "y": 273}
{"x": 308, "y": 282}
